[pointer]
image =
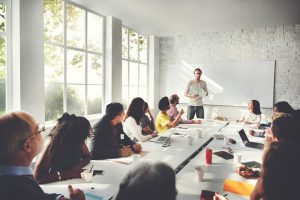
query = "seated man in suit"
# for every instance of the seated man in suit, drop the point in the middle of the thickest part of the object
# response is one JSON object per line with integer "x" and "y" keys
{"x": 108, "y": 139}
{"x": 20, "y": 142}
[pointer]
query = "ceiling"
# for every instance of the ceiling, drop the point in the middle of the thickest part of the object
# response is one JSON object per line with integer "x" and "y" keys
{"x": 169, "y": 17}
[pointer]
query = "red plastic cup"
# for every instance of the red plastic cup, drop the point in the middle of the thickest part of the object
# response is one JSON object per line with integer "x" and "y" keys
{"x": 208, "y": 156}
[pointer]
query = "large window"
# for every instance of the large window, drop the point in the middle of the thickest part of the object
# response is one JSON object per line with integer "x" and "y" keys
{"x": 134, "y": 65}
{"x": 3, "y": 56}
{"x": 73, "y": 59}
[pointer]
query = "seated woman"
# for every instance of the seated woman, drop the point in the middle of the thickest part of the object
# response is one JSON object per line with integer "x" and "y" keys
{"x": 280, "y": 173}
{"x": 131, "y": 125}
{"x": 147, "y": 121}
{"x": 253, "y": 116}
{"x": 279, "y": 107}
{"x": 149, "y": 182}
{"x": 66, "y": 153}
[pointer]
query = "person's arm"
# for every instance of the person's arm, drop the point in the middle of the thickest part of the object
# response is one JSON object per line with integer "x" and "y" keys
{"x": 42, "y": 168}
{"x": 75, "y": 171}
{"x": 42, "y": 175}
{"x": 257, "y": 192}
{"x": 205, "y": 88}
{"x": 136, "y": 130}
{"x": 149, "y": 131}
{"x": 174, "y": 123}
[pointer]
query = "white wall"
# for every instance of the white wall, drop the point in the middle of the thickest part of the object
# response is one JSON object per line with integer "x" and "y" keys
{"x": 280, "y": 43}
{"x": 28, "y": 57}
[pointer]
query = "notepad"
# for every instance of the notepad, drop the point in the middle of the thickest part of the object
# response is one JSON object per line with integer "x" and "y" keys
{"x": 238, "y": 187}
{"x": 130, "y": 159}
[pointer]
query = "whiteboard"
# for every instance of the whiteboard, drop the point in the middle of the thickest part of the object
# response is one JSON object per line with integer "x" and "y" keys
{"x": 231, "y": 84}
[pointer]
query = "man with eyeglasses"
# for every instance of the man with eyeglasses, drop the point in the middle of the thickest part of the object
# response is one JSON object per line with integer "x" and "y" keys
{"x": 20, "y": 142}
{"x": 108, "y": 139}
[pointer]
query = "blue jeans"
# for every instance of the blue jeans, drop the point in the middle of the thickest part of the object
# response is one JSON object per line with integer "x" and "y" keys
{"x": 191, "y": 110}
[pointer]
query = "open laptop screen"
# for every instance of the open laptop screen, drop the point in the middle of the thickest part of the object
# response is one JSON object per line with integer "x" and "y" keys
{"x": 243, "y": 136}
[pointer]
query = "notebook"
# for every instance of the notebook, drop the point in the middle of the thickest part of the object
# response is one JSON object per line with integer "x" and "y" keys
{"x": 247, "y": 143}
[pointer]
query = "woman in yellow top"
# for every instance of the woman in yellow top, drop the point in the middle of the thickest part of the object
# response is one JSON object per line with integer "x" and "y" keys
{"x": 163, "y": 121}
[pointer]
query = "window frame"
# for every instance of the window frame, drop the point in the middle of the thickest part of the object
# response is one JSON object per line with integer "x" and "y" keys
{"x": 138, "y": 62}
{"x": 86, "y": 52}
{"x": 8, "y": 76}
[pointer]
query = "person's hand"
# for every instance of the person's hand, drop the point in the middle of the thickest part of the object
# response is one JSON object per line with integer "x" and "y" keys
{"x": 247, "y": 172}
{"x": 76, "y": 194}
{"x": 137, "y": 147}
{"x": 217, "y": 196}
{"x": 125, "y": 151}
{"x": 196, "y": 95}
{"x": 154, "y": 134}
{"x": 196, "y": 121}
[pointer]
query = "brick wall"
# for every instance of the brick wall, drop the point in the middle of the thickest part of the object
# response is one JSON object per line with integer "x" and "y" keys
{"x": 280, "y": 43}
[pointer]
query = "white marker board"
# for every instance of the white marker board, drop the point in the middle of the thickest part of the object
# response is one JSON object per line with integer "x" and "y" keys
{"x": 231, "y": 84}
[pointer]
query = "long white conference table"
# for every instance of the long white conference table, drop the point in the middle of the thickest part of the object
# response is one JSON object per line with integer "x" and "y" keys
{"x": 180, "y": 155}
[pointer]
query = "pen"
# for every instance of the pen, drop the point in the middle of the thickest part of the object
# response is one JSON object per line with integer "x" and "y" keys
{"x": 91, "y": 168}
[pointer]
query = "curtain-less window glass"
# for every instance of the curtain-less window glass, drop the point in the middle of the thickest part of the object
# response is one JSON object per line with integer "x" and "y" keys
{"x": 3, "y": 57}
{"x": 134, "y": 66}
{"x": 73, "y": 59}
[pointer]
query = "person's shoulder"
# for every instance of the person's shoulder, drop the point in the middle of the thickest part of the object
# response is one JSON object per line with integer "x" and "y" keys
{"x": 202, "y": 81}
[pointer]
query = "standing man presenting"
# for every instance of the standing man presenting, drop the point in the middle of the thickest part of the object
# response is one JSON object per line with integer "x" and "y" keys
{"x": 196, "y": 89}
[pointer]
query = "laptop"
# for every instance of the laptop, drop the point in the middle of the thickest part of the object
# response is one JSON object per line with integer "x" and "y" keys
{"x": 163, "y": 139}
{"x": 247, "y": 143}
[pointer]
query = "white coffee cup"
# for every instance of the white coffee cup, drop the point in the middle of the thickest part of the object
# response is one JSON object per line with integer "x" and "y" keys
{"x": 190, "y": 140}
{"x": 198, "y": 133}
{"x": 87, "y": 176}
{"x": 237, "y": 158}
{"x": 199, "y": 173}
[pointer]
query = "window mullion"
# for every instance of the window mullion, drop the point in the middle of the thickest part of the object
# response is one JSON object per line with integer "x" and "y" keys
{"x": 86, "y": 64}
{"x": 65, "y": 60}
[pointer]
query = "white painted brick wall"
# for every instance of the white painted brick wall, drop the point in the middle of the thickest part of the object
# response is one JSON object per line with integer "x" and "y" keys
{"x": 280, "y": 43}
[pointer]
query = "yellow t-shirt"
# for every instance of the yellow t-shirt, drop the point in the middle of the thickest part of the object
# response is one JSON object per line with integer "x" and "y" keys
{"x": 161, "y": 122}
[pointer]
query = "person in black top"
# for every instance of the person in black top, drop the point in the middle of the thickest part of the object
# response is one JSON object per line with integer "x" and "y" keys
{"x": 108, "y": 139}
{"x": 20, "y": 142}
{"x": 66, "y": 154}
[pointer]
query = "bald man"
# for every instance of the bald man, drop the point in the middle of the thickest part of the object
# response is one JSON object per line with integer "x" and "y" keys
{"x": 20, "y": 142}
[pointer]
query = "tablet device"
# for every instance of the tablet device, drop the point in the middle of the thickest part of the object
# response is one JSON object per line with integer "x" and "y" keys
{"x": 252, "y": 164}
{"x": 224, "y": 154}
{"x": 207, "y": 195}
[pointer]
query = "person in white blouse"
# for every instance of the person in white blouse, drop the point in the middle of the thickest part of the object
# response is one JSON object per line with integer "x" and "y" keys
{"x": 133, "y": 117}
{"x": 253, "y": 116}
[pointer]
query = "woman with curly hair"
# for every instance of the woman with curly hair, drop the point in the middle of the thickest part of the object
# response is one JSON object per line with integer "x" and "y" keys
{"x": 66, "y": 153}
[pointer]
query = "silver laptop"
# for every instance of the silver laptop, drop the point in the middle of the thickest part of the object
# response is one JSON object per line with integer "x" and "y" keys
{"x": 163, "y": 139}
{"x": 247, "y": 143}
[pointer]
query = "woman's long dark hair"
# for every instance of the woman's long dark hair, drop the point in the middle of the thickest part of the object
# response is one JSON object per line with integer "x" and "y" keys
{"x": 256, "y": 107}
{"x": 69, "y": 132}
{"x": 285, "y": 107}
{"x": 136, "y": 109}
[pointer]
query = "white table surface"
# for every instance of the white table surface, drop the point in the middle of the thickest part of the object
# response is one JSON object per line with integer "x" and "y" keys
{"x": 174, "y": 155}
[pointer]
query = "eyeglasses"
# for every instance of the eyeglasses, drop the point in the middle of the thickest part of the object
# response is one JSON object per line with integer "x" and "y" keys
{"x": 41, "y": 128}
